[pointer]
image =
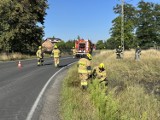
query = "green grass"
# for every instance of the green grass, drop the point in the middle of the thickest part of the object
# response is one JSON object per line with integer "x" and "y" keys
{"x": 132, "y": 94}
{"x": 76, "y": 103}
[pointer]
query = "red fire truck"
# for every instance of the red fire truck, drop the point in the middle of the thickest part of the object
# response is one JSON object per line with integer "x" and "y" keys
{"x": 83, "y": 47}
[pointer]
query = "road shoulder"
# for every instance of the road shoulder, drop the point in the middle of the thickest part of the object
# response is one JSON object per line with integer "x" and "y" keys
{"x": 48, "y": 108}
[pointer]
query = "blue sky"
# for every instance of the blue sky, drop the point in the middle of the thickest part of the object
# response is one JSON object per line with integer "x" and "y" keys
{"x": 90, "y": 19}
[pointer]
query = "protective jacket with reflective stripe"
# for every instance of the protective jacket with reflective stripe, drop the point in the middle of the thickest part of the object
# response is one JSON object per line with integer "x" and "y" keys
{"x": 74, "y": 51}
{"x": 84, "y": 66}
{"x": 39, "y": 53}
{"x": 56, "y": 52}
{"x": 100, "y": 74}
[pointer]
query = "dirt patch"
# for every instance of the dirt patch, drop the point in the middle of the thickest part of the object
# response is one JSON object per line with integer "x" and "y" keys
{"x": 151, "y": 87}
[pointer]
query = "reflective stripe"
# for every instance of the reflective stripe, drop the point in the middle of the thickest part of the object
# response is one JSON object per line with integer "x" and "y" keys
{"x": 84, "y": 83}
{"x": 89, "y": 71}
{"x": 82, "y": 66}
{"x": 82, "y": 63}
{"x": 56, "y": 53}
{"x": 82, "y": 71}
{"x": 39, "y": 53}
{"x": 101, "y": 75}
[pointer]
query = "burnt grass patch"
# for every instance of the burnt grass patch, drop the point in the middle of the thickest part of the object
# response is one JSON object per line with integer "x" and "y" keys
{"x": 151, "y": 87}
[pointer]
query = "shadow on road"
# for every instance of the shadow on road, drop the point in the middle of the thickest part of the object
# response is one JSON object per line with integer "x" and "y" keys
{"x": 48, "y": 64}
{"x": 60, "y": 66}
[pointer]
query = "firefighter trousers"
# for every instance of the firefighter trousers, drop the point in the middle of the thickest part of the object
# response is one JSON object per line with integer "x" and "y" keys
{"x": 56, "y": 61}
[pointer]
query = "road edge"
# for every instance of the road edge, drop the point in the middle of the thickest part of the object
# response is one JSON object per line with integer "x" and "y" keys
{"x": 34, "y": 106}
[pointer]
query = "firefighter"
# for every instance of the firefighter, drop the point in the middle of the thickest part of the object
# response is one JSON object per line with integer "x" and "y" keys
{"x": 40, "y": 55}
{"x": 119, "y": 52}
{"x": 137, "y": 53}
{"x": 84, "y": 70}
{"x": 74, "y": 52}
{"x": 99, "y": 73}
{"x": 56, "y": 55}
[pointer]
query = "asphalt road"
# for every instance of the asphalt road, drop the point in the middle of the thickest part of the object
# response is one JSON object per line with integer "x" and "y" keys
{"x": 20, "y": 87}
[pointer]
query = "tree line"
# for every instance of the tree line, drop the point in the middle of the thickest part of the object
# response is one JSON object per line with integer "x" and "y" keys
{"x": 22, "y": 30}
{"x": 141, "y": 26}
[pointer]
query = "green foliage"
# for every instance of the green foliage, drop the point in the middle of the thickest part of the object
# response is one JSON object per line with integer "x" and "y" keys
{"x": 111, "y": 43}
{"x": 148, "y": 24}
{"x": 19, "y": 29}
{"x": 66, "y": 47}
{"x": 70, "y": 44}
{"x": 78, "y": 37}
{"x": 107, "y": 107}
{"x": 141, "y": 25}
{"x": 100, "y": 44}
{"x": 61, "y": 45}
{"x": 75, "y": 104}
{"x": 129, "y": 23}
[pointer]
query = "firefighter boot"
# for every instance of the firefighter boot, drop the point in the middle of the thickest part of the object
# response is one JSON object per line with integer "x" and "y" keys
{"x": 55, "y": 64}
{"x": 84, "y": 84}
{"x": 38, "y": 63}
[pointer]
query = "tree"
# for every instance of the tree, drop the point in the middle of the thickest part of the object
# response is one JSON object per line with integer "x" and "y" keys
{"x": 61, "y": 45}
{"x": 70, "y": 44}
{"x": 148, "y": 24}
{"x": 111, "y": 43}
{"x": 78, "y": 37}
{"x": 157, "y": 23}
{"x": 18, "y": 24}
{"x": 100, "y": 44}
{"x": 129, "y": 25}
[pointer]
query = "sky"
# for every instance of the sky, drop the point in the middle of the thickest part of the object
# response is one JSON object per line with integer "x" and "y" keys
{"x": 90, "y": 19}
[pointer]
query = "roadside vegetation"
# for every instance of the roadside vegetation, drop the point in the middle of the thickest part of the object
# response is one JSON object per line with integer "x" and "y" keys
{"x": 14, "y": 56}
{"x": 133, "y": 92}
{"x": 20, "y": 56}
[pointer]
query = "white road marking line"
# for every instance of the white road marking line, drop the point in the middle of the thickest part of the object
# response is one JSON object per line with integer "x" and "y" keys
{"x": 30, "y": 115}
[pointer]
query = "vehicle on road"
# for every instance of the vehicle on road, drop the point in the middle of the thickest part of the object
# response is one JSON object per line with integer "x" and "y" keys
{"x": 83, "y": 47}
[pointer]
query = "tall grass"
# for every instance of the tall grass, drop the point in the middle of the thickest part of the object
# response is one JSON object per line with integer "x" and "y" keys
{"x": 132, "y": 94}
{"x": 13, "y": 56}
{"x": 75, "y": 103}
{"x": 18, "y": 56}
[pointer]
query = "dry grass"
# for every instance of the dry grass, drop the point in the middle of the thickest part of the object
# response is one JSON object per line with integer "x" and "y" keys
{"x": 133, "y": 90}
{"x": 75, "y": 104}
{"x": 13, "y": 56}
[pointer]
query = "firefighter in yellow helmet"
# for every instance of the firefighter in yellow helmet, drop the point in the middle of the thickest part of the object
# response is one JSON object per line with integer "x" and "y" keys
{"x": 99, "y": 73}
{"x": 84, "y": 70}
{"x": 73, "y": 52}
{"x": 119, "y": 52}
{"x": 56, "y": 55}
{"x": 40, "y": 55}
{"x": 137, "y": 53}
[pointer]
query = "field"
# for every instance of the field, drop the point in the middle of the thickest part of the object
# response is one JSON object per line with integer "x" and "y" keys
{"x": 133, "y": 92}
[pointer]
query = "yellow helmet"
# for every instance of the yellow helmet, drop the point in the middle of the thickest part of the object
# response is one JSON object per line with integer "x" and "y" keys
{"x": 40, "y": 47}
{"x": 89, "y": 56}
{"x": 101, "y": 65}
{"x": 119, "y": 46}
{"x": 55, "y": 46}
{"x": 72, "y": 47}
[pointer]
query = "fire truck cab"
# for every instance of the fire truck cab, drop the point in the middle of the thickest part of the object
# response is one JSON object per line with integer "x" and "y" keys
{"x": 83, "y": 47}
